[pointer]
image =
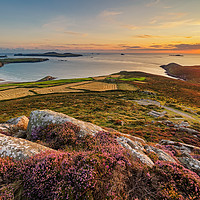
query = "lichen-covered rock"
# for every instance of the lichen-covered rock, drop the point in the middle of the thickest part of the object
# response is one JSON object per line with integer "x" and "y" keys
{"x": 137, "y": 140}
{"x": 190, "y": 163}
{"x": 180, "y": 146}
{"x": 21, "y": 122}
{"x": 41, "y": 118}
{"x": 19, "y": 149}
{"x": 135, "y": 150}
{"x": 12, "y": 130}
{"x": 162, "y": 155}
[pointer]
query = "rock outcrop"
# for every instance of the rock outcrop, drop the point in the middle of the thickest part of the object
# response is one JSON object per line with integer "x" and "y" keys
{"x": 15, "y": 127}
{"x": 41, "y": 118}
{"x": 136, "y": 150}
{"x": 19, "y": 149}
{"x": 21, "y": 122}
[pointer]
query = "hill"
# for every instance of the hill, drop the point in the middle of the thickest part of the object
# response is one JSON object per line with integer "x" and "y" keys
{"x": 187, "y": 73}
{"x": 142, "y": 140}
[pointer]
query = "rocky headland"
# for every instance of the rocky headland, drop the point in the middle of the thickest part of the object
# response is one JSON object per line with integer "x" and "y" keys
{"x": 187, "y": 73}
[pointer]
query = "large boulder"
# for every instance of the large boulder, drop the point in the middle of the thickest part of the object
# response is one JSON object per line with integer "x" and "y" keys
{"x": 19, "y": 149}
{"x": 41, "y": 118}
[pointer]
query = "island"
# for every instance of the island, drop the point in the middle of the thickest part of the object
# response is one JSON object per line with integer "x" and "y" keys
{"x": 21, "y": 60}
{"x": 50, "y": 54}
{"x": 175, "y": 55}
{"x": 186, "y": 73}
{"x": 4, "y": 56}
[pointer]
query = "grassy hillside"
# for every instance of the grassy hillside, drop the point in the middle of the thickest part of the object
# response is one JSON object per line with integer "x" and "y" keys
{"x": 97, "y": 168}
{"x": 117, "y": 108}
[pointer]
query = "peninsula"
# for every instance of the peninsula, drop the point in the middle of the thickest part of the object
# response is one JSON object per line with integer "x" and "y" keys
{"x": 51, "y": 54}
{"x": 187, "y": 73}
{"x": 21, "y": 60}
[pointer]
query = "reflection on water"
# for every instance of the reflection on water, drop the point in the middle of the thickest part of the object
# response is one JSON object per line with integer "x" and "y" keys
{"x": 93, "y": 65}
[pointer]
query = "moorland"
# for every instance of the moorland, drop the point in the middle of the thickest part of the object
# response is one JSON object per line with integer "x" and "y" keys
{"x": 97, "y": 167}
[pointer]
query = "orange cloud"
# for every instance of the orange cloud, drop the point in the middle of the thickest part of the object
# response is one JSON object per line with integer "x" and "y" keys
{"x": 76, "y": 33}
{"x": 146, "y": 36}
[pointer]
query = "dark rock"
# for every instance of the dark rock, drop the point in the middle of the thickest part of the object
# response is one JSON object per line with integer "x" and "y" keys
{"x": 47, "y": 78}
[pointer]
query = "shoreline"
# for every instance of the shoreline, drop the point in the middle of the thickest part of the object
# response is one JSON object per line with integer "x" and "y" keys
{"x": 184, "y": 73}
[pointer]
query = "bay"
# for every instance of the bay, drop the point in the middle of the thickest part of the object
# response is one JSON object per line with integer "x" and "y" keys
{"x": 93, "y": 65}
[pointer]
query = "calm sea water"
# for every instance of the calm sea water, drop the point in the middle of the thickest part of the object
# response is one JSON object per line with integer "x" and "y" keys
{"x": 93, "y": 65}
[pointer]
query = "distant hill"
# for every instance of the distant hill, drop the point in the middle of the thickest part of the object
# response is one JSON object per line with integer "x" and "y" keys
{"x": 51, "y": 54}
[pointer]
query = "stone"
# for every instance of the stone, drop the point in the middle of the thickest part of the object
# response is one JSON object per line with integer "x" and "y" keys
{"x": 162, "y": 155}
{"x": 41, "y": 118}
{"x": 190, "y": 163}
{"x": 180, "y": 146}
{"x": 19, "y": 149}
{"x": 21, "y": 122}
{"x": 136, "y": 151}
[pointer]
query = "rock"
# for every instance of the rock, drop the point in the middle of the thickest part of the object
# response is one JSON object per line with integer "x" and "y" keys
{"x": 41, "y": 118}
{"x": 180, "y": 146}
{"x": 21, "y": 122}
{"x": 137, "y": 140}
{"x": 157, "y": 114}
{"x": 47, "y": 78}
{"x": 190, "y": 163}
{"x": 19, "y": 149}
{"x": 162, "y": 155}
{"x": 135, "y": 150}
{"x": 188, "y": 130}
{"x": 12, "y": 130}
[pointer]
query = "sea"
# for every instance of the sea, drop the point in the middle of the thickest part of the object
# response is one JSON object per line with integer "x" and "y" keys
{"x": 92, "y": 64}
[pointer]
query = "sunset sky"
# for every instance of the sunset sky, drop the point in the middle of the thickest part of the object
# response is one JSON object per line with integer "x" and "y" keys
{"x": 101, "y": 25}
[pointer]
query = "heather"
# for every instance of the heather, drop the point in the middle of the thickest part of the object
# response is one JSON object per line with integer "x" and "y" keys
{"x": 98, "y": 169}
{"x": 93, "y": 174}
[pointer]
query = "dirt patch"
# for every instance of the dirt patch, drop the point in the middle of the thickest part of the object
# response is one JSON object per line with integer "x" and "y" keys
{"x": 15, "y": 93}
{"x": 96, "y": 86}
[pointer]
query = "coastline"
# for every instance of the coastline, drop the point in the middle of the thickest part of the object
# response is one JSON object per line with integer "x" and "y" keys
{"x": 184, "y": 73}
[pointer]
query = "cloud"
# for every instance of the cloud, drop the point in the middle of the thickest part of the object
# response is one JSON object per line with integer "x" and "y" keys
{"x": 76, "y": 33}
{"x": 107, "y": 13}
{"x": 59, "y": 23}
{"x": 187, "y": 46}
{"x": 171, "y": 17}
{"x": 153, "y": 3}
{"x": 130, "y": 27}
{"x": 146, "y": 36}
{"x": 173, "y": 24}
{"x": 130, "y": 47}
{"x": 156, "y": 46}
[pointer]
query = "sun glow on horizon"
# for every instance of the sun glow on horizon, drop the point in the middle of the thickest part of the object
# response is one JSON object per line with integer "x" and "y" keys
{"x": 148, "y": 26}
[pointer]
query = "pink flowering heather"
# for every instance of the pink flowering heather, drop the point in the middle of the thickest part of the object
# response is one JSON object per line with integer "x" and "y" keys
{"x": 89, "y": 174}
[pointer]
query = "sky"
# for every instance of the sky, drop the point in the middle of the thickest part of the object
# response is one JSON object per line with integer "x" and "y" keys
{"x": 138, "y": 26}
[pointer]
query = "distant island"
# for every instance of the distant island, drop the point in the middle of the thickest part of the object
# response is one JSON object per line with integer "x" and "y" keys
{"x": 4, "y": 56}
{"x": 187, "y": 73}
{"x": 51, "y": 54}
{"x": 21, "y": 60}
{"x": 175, "y": 55}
